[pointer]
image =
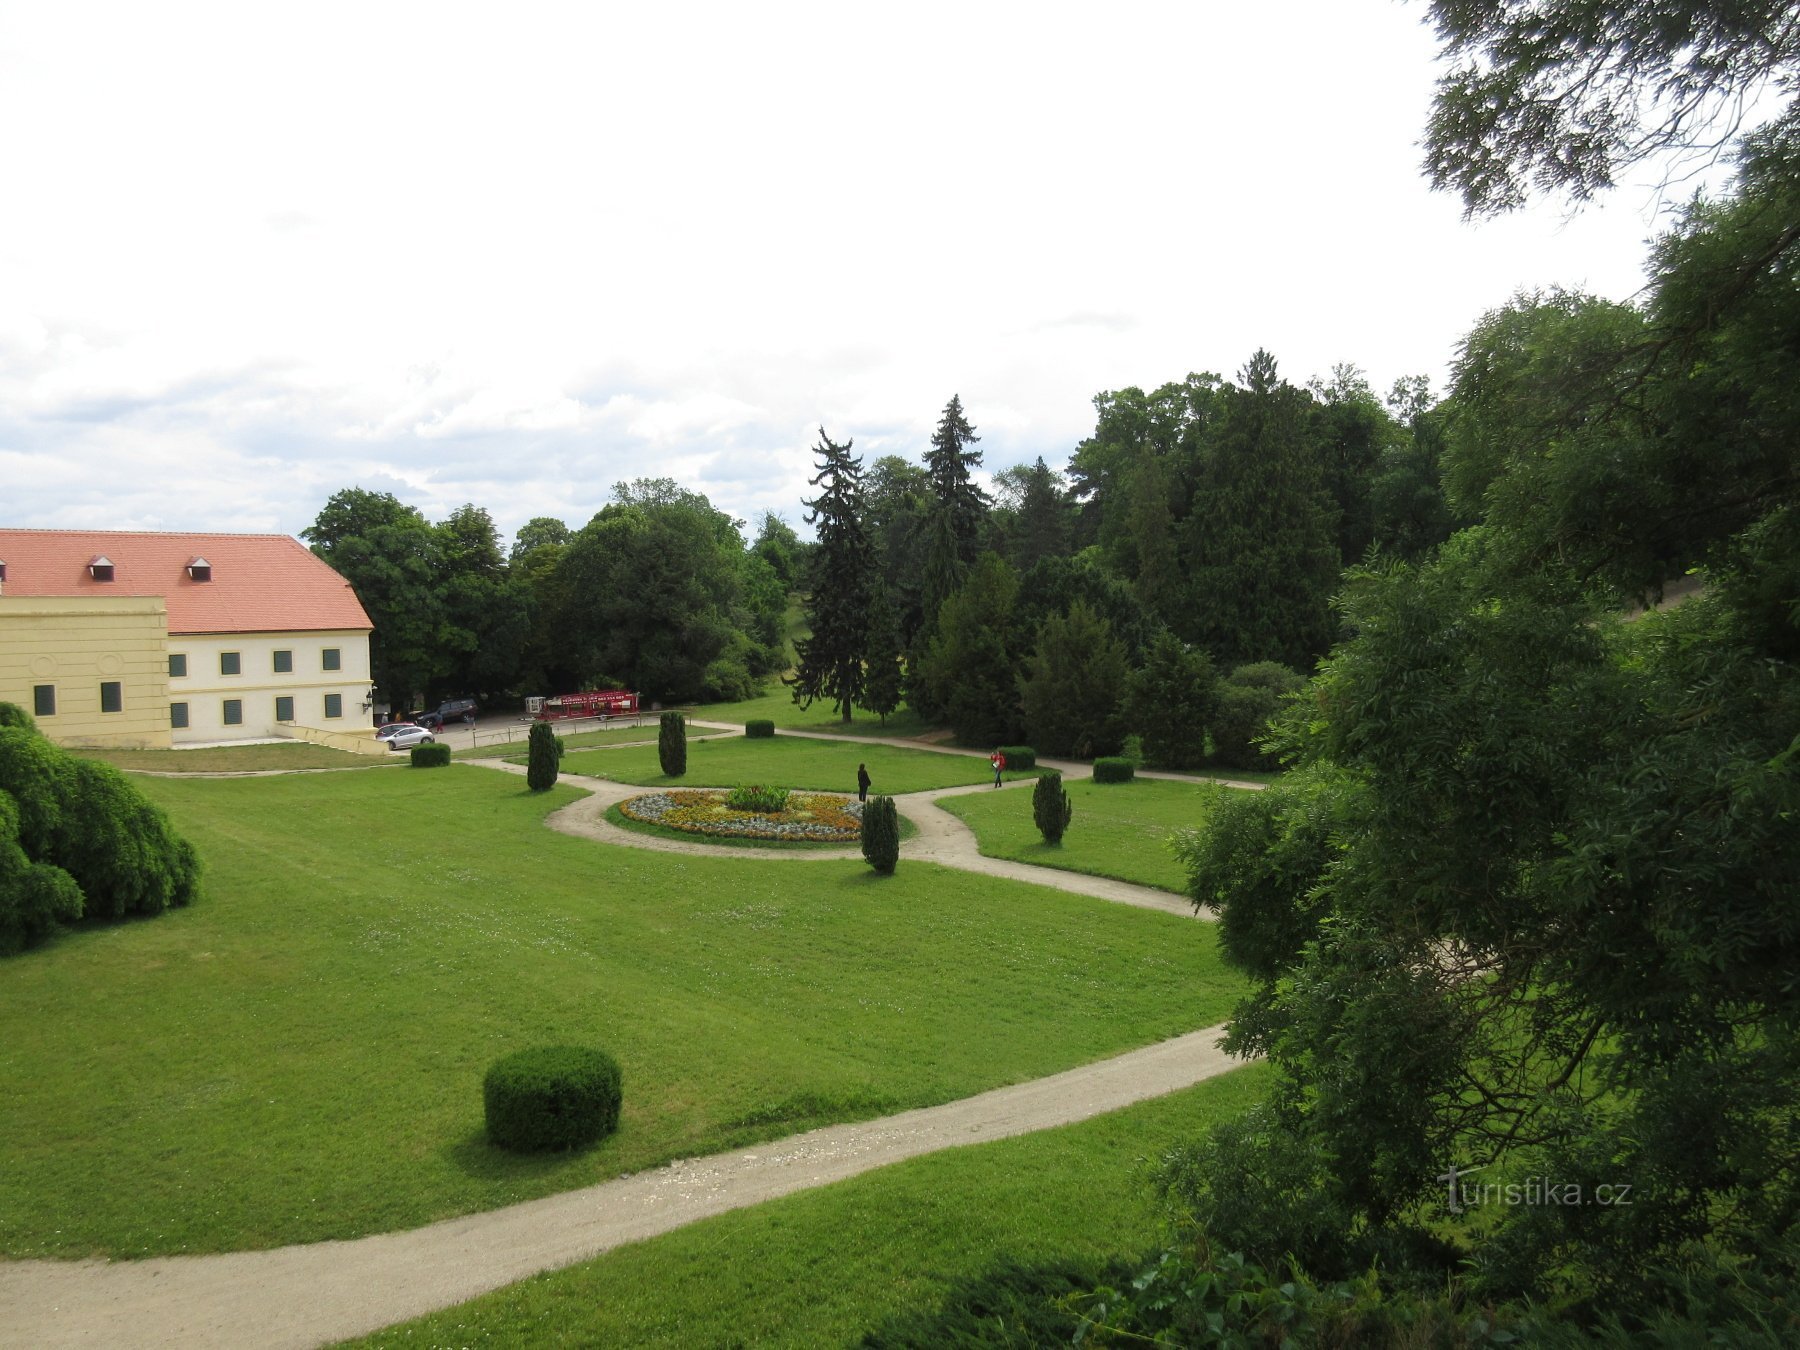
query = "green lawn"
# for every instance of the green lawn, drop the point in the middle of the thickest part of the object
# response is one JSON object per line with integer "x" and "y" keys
{"x": 824, "y": 1267}
{"x": 299, "y": 1055}
{"x": 1118, "y": 829}
{"x": 789, "y": 761}
{"x": 779, "y": 707}
{"x": 240, "y": 758}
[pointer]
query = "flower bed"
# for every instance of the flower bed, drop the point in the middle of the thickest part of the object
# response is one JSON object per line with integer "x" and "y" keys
{"x": 811, "y": 817}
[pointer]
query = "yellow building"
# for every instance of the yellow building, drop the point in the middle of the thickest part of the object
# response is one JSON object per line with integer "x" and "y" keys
{"x": 117, "y": 639}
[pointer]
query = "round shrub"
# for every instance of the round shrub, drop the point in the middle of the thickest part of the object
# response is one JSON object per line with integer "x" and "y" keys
{"x": 881, "y": 834}
{"x": 1113, "y": 769}
{"x": 432, "y": 756}
{"x": 671, "y": 744}
{"x": 1051, "y": 807}
{"x": 551, "y": 1097}
{"x": 12, "y": 715}
{"x": 541, "y": 760}
{"x": 760, "y": 728}
{"x": 1019, "y": 758}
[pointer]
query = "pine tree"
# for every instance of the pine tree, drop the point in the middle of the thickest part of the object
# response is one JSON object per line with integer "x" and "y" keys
{"x": 1051, "y": 808}
{"x": 959, "y": 507}
{"x": 830, "y": 664}
{"x": 882, "y": 682}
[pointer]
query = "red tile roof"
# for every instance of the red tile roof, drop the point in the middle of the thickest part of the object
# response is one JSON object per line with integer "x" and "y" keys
{"x": 261, "y": 583}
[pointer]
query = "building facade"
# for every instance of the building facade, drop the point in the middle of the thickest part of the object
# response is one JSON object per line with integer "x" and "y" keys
{"x": 153, "y": 640}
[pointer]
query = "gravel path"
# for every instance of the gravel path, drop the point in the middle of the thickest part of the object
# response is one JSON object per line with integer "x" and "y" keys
{"x": 321, "y": 1292}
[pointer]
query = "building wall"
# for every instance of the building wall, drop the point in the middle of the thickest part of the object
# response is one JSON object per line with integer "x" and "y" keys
{"x": 205, "y": 688}
{"x": 76, "y": 644}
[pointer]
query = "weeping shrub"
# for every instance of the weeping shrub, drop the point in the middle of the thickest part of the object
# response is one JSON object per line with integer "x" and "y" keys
{"x": 881, "y": 834}
{"x": 12, "y": 715}
{"x": 1051, "y": 807}
{"x": 545, "y": 750}
{"x": 671, "y": 745}
{"x": 551, "y": 1097}
{"x": 34, "y": 897}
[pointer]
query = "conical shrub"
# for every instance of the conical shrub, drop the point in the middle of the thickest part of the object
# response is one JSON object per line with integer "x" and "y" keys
{"x": 881, "y": 834}
{"x": 671, "y": 744}
{"x": 1051, "y": 807}
{"x": 540, "y": 767}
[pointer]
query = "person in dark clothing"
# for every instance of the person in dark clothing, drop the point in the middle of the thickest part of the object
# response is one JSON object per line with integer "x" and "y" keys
{"x": 862, "y": 782}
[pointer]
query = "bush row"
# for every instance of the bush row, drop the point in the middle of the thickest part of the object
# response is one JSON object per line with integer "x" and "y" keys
{"x": 432, "y": 756}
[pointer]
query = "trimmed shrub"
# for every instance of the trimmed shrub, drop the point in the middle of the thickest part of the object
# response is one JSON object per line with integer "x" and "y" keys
{"x": 432, "y": 756}
{"x": 1019, "y": 758}
{"x": 34, "y": 897}
{"x": 551, "y": 1097}
{"x": 1051, "y": 807}
{"x": 545, "y": 751}
{"x": 759, "y": 728}
{"x": 671, "y": 745}
{"x": 12, "y": 715}
{"x": 756, "y": 797}
{"x": 881, "y": 834}
{"x": 1113, "y": 769}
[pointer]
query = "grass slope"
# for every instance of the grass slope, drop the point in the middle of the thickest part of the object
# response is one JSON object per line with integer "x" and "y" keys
{"x": 1118, "y": 829}
{"x": 240, "y": 758}
{"x": 824, "y": 1267}
{"x": 299, "y": 1054}
{"x": 788, "y": 761}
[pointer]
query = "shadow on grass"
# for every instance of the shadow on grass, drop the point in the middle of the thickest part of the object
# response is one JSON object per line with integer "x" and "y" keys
{"x": 475, "y": 1157}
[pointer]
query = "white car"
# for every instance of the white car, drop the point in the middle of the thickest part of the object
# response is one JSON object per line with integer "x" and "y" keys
{"x": 403, "y": 735}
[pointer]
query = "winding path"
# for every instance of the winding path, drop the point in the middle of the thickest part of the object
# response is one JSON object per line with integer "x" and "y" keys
{"x": 316, "y": 1293}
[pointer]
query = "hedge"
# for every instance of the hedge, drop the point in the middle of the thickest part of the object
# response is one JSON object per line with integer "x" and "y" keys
{"x": 433, "y": 755}
{"x": 1113, "y": 769}
{"x": 552, "y": 1097}
{"x": 1019, "y": 758}
{"x": 760, "y": 728}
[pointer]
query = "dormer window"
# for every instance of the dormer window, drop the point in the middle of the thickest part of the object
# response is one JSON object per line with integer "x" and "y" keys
{"x": 200, "y": 570}
{"x": 101, "y": 568}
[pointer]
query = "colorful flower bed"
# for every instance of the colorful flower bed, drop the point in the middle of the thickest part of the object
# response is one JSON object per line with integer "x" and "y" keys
{"x": 810, "y": 817}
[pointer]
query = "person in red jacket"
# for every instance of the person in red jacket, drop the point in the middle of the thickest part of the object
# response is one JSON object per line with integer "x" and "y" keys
{"x": 998, "y": 760}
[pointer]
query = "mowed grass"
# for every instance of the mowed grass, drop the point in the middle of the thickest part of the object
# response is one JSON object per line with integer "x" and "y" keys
{"x": 239, "y": 758}
{"x": 1118, "y": 829}
{"x": 789, "y": 761}
{"x": 614, "y": 735}
{"x": 825, "y": 1267}
{"x": 299, "y": 1055}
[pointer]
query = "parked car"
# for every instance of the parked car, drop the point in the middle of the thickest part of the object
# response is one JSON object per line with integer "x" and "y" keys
{"x": 450, "y": 710}
{"x": 404, "y": 735}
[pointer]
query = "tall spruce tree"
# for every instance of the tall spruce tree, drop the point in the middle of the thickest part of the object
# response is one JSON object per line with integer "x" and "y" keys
{"x": 884, "y": 683}
{"x": 959, "y": 507}
{"x": 830, "y": 664}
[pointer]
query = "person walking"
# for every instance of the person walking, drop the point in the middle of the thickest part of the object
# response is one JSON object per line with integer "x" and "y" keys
{"x": 862, "y": 782}
{"x": 998, "y": 760}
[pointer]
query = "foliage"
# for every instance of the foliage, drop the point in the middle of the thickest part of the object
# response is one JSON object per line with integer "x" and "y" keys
{"x": 883, "y": 680}
{"x": 1053, "y": 585}
{"x": 1019, "y": 758}
{"x": 1051, "y": 809}
{"x": 539, "y": 532}
{"x": 551, "y": 1097}
{"x": 1033, "y": 517}
{"x": 1244, "y": 702}
{"x": 881, "y": 834}
{"x": 959, "y": 507}
{"x": 34, "y": 897}
{"x": 1562, "y": 94}
{"x": 12, "y": 715}
{"x": 968, "y": 670}
{"x": 1170, "y": 701}
{"x": 432, "y": 756}
{"x": 830, "y": 660}
{"x": 543, "y": 757}
{"x": 671, "y": 744}
{"x": 759, "y": 728}
{"x": 1073, "y": 685}
{"x": 757, "y": 797}
{"x": 1112, "y": 769}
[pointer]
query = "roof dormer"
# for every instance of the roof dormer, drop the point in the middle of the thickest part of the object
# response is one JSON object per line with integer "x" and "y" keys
{"x": 101, "y": 568}
{"x": 199, "y": 569}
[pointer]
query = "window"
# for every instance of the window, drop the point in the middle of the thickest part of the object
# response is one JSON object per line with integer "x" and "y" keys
{"x": 177, "y": 665}
{"x": 229, "y": 663}
{"x": 43, "y": 700}
{"x": 178, "y": 715}
{"x": 112, "y": 696}
{"x": 234, "y": 712}
{"x": 284, "y": 663}
{"x": 334, "y": 705}
{"x": 284, "y": 708}
{"x": 332, "y": 659}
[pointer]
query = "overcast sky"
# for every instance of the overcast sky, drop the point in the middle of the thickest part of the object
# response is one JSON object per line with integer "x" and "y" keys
{"x": 251, "y": 254}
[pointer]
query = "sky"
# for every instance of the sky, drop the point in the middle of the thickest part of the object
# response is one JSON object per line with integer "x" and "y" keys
{"x": 512, "y": 255}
